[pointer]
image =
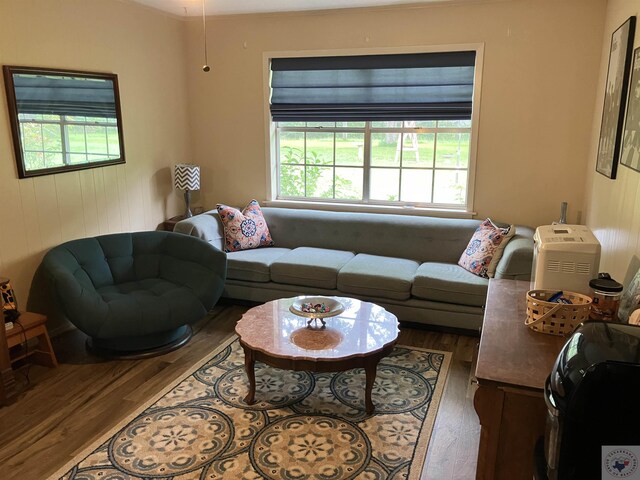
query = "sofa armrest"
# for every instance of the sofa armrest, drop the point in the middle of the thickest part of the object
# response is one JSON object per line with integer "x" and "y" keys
{"x": 206, "y": 226}
{"x": 517, "y": 258}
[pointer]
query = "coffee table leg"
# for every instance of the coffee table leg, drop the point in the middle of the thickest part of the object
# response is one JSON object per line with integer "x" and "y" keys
{"x": 249, "y": 366}
{"x": 370, "y": 372}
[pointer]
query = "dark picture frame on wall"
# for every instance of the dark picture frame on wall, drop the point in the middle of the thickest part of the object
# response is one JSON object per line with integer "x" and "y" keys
{"x": 630, "y": 156}
{"x": 615, "y": 96}
{"x": 63, "y": 120}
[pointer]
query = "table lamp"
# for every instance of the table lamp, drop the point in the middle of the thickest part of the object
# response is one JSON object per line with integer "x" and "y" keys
{"x": 187, "y": 178}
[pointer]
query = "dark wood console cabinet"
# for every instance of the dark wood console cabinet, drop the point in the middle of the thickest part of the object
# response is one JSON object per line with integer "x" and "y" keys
{"x": 512, "y": 365}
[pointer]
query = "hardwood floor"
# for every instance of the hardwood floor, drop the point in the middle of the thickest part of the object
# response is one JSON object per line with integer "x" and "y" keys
{"x": 63, "y": 410}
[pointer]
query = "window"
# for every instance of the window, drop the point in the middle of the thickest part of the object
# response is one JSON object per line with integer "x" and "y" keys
{"x": 388, "y": 162}
{"x": 378, "y": 130}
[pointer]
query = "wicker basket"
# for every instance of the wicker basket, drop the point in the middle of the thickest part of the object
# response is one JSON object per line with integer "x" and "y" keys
{"x": 556, "y": 318}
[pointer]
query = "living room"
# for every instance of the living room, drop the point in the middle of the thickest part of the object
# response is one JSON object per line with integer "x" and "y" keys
{"x": 542, "y": 82}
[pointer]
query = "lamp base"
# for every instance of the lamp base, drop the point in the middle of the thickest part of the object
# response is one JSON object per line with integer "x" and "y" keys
{"x": 187, "y": 201}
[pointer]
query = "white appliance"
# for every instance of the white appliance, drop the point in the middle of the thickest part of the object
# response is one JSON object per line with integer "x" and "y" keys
{"x": 565, "y": 257}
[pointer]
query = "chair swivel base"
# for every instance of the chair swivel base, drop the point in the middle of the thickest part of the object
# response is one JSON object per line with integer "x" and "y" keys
{"x": 137, "y": 348}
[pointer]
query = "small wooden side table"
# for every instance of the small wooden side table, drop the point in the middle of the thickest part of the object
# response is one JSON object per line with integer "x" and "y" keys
{"x": 169, "y": 224}
{"x": 31, "y": 325}
{"x": 7, "y": 380}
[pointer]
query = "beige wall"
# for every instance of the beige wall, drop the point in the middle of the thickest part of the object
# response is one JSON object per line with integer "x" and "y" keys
{"x": 146, "y": 49}
{"x": 613, "y": 206}
{"x": 538, "y": 90}
{"x": 538, "y": 97}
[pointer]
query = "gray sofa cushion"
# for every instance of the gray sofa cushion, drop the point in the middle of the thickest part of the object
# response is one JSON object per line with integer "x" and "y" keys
{"x": 313, "y": 267}
{"x": 444, "y": 282}
{"x": 377, "y": 276}
{"x": 253, "y": 265}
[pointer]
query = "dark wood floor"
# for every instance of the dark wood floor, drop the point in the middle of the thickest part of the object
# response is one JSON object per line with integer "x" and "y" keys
{"x": 61, "y": 411}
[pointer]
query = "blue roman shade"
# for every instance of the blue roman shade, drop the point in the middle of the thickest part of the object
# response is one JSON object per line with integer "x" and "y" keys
{"x": 61, "y": 95}
{"x": 421, "y": 86}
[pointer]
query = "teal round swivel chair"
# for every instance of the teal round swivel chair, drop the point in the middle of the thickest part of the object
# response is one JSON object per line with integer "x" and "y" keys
{"x": 135, "y": 294}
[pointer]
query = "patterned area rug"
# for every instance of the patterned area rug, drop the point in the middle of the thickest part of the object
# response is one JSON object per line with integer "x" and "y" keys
{"x": 303, "y": 426}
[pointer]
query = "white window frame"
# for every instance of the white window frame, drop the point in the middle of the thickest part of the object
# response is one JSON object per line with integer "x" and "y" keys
{"x": 465, "y": 211}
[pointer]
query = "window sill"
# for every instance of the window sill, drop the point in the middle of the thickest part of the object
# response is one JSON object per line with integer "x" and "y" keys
{"x": 346, "y": 207}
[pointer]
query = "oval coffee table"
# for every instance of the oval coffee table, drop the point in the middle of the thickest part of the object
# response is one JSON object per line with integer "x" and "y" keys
{"x": 359, "y": 337}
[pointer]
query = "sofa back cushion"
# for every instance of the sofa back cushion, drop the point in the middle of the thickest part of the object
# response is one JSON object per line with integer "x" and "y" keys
{"x": 423, "y": 239}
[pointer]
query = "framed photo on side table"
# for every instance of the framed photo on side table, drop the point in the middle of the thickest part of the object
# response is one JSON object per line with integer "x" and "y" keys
{"x": 615, "y": 96}
{"x": 630, "y": 156}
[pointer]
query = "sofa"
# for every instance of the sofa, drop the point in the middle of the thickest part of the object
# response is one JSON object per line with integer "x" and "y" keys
{"x": 405, "y": 263}
{"x": 133, "y": 294}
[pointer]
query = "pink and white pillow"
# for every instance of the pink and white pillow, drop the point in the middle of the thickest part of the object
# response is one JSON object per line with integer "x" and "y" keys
{"x": 244, "y": 230}
{"x": 485, "y": 248}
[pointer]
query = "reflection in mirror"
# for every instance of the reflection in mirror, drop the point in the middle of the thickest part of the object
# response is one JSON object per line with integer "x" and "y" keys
{"x": 63, "y": 120}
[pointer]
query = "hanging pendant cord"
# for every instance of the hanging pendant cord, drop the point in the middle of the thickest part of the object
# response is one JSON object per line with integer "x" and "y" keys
{"x": 205, "y": 67}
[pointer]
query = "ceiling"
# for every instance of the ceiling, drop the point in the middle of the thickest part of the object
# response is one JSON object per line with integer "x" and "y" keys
{"x": 225, "y": 7}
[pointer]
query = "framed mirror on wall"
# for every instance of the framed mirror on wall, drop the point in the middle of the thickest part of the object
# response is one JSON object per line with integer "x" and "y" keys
{"x": 63, "y": 120}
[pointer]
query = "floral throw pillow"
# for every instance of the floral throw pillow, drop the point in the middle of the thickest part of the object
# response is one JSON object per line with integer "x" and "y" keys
{"x": 244, "y": 230}
{"x": 485, "y": 249}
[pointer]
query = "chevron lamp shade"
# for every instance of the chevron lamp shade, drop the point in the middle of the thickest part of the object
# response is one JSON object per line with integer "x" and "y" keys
{"x": 187, "y": 177}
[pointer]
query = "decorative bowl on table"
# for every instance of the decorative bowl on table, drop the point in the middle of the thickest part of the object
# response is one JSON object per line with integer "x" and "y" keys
{"x": 316, "y": 308}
